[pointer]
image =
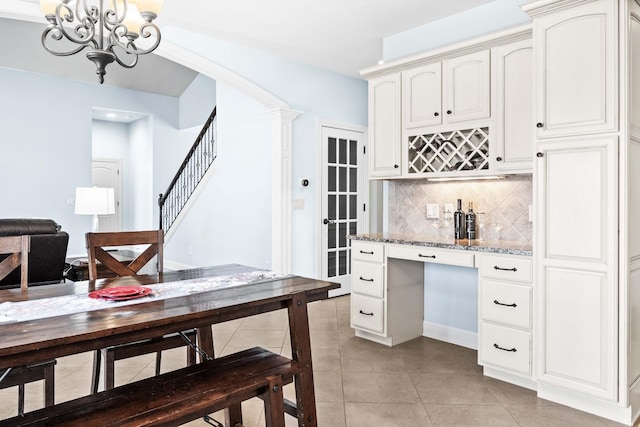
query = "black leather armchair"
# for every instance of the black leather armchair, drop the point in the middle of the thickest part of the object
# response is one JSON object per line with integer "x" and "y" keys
{"x": 47, "y": 252}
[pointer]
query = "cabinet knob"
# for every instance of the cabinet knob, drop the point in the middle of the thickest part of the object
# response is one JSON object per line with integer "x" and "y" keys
{"x": 396, "y": 166}
{"x": 498, "y": 159}
{"x": 449, "y": 111}
{"x": 539, "y": 154}
{"x": 436, "y": 114}
{"x": 539, "y": 125}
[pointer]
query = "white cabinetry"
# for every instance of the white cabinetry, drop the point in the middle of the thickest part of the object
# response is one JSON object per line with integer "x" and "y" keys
{"x": 512, "y": 75}
{"x": 505, "y": 310}
{"x": 576, "y": 65}
{"x": 577, "y": 282}
{"x": 384, "y": 126}
{"x": 452, "y": 91}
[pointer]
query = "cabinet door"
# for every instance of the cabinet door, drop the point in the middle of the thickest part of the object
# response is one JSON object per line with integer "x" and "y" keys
{"x": 577, "y": 307}
{"x": 422, "y": 96}
{"x": 513, "y": 77}
{"x": 384, "y": 126}
{"x": 576, "y": 70}
{"x": 466, "y": 83}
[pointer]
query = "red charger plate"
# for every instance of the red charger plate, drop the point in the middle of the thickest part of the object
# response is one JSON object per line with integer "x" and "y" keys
{"x": 120, "y": 293}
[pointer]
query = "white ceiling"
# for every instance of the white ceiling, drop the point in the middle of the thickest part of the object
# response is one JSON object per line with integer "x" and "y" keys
{"x": 344, "y": 36}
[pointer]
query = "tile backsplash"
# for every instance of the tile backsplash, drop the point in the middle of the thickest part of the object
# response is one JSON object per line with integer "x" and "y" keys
{"x": 504, "y": 202}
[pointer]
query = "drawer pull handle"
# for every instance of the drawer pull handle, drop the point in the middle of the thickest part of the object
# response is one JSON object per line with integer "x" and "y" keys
{"x": 366, "y": 280}
{"x": 366, "y": 314}
{"x": 427, "y": 256}
{"x": 496, "y": 302}
{"x": 505, "y": 349}
{"x": 495, "y": 267}
{"x": 366, "y": 252}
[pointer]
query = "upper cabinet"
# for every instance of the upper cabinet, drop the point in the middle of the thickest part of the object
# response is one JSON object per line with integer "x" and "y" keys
{"x": 451, "y": 91}
{"x": 512, "y": 149}
{"x": 466, "y": 83}
{"x": 576, "y": 82}
{"x": 384, "y": 126}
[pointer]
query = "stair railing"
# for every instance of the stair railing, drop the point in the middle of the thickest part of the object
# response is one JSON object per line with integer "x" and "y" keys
{"x": 198, "y": 160}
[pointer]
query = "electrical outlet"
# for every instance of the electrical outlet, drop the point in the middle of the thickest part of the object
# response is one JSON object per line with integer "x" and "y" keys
{"x": 448, "y": 211}
{"x": 433, "y": 211}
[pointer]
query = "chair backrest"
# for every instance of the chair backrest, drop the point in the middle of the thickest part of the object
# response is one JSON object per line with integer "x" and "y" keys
{"x": 96, "y": 242}
{"x": 18, "y": 249}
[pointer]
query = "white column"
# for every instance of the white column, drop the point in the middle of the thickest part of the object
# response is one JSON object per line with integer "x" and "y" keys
{"x": 281, "y": 164}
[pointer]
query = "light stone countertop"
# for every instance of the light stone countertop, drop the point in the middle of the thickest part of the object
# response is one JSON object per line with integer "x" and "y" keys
{"x": 491, "y": 246}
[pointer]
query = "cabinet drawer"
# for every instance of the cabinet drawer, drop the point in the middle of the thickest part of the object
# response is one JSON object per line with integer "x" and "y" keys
{"x": 367, "y": 313}
{"x": 505, "y": 348}
{"x": 427, "y": 254}
{"x": 367, "y": 278}
{"x": 506, "y": 268}
{"x": 506, "y": 303}
{"x": 365, "y": 251}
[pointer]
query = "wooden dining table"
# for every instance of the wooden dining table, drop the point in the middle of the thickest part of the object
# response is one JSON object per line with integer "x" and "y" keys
{"x": 38, "y": 340}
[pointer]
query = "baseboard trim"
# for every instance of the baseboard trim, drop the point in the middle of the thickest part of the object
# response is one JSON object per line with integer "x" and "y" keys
{"x": 450, "y": 334}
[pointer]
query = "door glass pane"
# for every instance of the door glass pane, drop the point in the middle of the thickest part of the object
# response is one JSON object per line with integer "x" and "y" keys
{"x": 353, "y": 206}
{"x": 331, "y": 264}
{"x": 331, "y": 207}
{"x": 342, "y": 235}
{"x": 331, "y": 236}
{"x": 353, "y": 227}
{"x": 353, "y": 180}
{"x": 342, "y": 179}
{"x": 342, "y": 147}
{"x": 353, "y": 152}
{"x": 342, "y": 263}
{"x": 332, "y": 150}
{"x": 342, "y": 208}
{"x": 331, "y": 171}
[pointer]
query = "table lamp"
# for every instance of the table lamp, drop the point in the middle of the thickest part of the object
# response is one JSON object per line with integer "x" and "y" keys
{"x": 95, "y": 201}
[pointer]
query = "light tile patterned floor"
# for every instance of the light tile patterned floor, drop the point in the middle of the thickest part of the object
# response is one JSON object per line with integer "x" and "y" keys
{"x": 358, "y": 383}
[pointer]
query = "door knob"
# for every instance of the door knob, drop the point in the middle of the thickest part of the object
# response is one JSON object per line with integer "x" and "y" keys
{"x": 328, "y": 221}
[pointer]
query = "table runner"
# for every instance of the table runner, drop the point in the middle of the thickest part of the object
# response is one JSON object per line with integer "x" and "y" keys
{"x": 70, "y": 304}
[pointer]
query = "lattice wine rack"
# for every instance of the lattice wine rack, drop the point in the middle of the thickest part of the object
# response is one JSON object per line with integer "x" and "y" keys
{"x": 460, "y": 150}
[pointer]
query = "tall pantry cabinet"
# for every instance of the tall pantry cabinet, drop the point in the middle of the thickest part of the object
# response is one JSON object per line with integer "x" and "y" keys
{"x": 587, "y": 249}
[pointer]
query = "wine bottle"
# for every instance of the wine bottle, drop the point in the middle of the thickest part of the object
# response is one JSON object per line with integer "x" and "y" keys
{"x": 458, "y": 222}
{"x": 471, "y": 223}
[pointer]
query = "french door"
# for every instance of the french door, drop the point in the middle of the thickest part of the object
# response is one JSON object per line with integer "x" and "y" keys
{"x": 343, "y": 202}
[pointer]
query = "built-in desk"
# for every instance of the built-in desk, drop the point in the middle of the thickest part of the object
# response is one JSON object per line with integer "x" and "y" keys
{"x": 387, "y": 299}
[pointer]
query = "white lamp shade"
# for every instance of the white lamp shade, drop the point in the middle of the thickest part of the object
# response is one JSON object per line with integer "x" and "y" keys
{"x": 153, "y": 6}
{"x": 49, "y": 6}
{"x": 95, "y": 201}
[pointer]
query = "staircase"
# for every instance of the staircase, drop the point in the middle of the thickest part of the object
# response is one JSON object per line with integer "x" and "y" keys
{"x": 194, "y": 167}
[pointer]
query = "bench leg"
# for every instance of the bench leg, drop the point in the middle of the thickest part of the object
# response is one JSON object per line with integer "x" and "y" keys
{"x": 274, "y": 403}
{"x": 233, "y": 415}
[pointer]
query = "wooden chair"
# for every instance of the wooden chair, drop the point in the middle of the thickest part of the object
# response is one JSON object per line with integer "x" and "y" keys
{"x": 96, "y": 244}
{"x": 18, "y": 249}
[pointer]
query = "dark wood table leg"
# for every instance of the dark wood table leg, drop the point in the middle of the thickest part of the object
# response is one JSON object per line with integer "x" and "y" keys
{"x": 301, "y": 352}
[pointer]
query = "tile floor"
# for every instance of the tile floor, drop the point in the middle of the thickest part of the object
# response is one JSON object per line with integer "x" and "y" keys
{"x": 358, "y": 383}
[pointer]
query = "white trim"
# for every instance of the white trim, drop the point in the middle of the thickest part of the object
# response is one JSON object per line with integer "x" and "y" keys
{"x": 319, "y": 196}
{"x": 450, "y": 334}
{"x": 281, "y": 190}
{"x": 22, "y": 10}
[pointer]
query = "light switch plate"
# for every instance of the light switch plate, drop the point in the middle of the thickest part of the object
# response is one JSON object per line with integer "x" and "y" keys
{"x": 433, "y": 211}
{"x": 298, "y": 204}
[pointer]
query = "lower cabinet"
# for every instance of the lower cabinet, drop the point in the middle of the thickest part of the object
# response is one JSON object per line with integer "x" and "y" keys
{"x": 505, "y": 311}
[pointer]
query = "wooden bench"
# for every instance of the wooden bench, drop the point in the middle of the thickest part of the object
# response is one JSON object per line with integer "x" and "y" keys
{"x": 180, "y": 396}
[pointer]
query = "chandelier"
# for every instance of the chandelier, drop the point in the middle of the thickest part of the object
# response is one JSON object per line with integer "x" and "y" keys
{"x": 111, "y": 30}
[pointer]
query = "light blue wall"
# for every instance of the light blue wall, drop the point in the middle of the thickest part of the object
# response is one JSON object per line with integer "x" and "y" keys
{"x": 319, "y": 94}
{"x": 197, "y": 102}
{"x": 45, "y": 144}
{"x": 451, "y": 296}
{"x": 491, "y": 17}
{"x": 230, "y": 221}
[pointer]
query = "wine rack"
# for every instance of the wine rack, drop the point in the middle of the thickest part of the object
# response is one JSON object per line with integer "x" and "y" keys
{"x": 453, "y": 151}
